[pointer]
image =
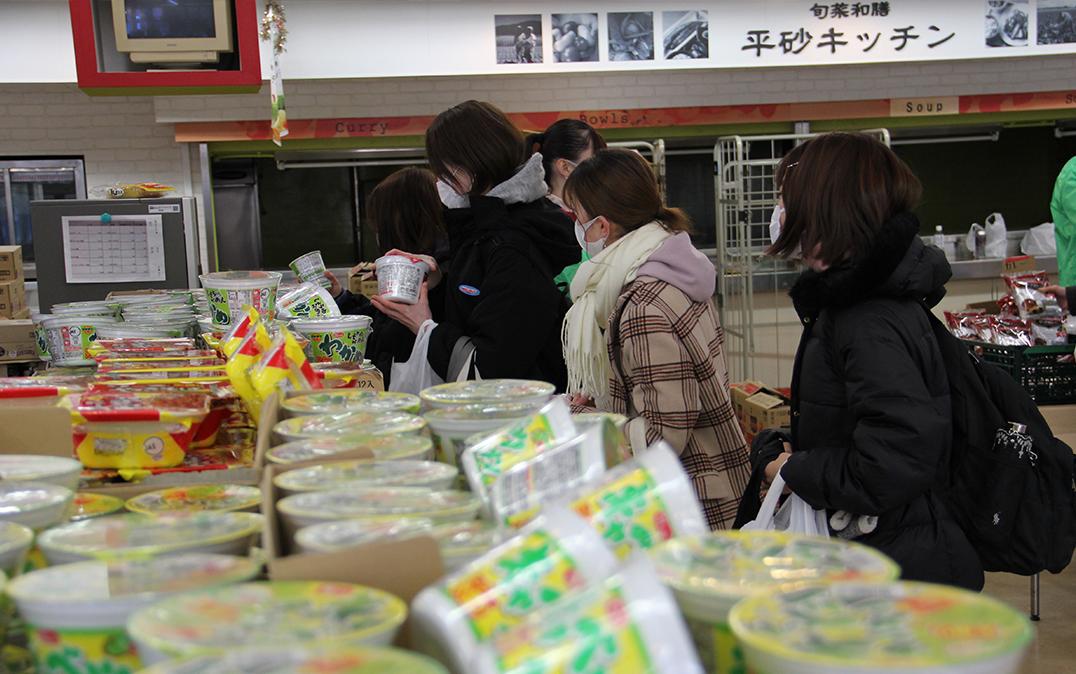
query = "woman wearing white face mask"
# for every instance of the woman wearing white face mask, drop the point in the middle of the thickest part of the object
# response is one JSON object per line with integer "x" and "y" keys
{"x": 642, "y": 338}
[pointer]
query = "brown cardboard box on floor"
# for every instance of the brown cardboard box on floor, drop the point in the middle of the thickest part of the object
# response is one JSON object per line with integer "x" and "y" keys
{"x": 18, "y": 341}
{"x": 10, "y": 263}
{"x": 12, "y": 298}
{"x": 740, "y": 392}
{"x": 362, "y": 280}
{"x": 765, "y": 409}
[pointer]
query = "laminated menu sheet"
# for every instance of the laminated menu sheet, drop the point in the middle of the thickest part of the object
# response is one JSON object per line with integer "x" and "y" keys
{"x": 113, "y": 249}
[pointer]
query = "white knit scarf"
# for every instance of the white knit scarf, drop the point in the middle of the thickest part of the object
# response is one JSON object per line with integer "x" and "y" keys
{"x": 595, "y": 290}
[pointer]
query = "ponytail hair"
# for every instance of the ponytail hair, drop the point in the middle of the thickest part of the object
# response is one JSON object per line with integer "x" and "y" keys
{"x": 620, "y": 185}
{"x": 564, "y": 139}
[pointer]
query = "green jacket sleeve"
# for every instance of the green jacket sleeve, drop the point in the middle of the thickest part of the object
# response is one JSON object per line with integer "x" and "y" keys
{"x": 1063, "y": 209}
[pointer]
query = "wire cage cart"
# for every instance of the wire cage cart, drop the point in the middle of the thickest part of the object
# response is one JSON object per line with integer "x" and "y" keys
{"x": 654, "y": 153}
{"x": 744, "y": 189}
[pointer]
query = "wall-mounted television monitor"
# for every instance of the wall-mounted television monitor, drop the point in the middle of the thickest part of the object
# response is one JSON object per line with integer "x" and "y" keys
{"x": 172, "y": 31}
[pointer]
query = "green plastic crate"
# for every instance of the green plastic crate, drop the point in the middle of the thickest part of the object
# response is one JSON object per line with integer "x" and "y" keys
{"x": 1047, "y": 373}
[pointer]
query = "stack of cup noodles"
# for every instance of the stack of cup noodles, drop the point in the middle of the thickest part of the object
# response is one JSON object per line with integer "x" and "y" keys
{"x": 460, "y": 410}
{"x": 229, "y": 292}
{"x": 383, "y": 448}
{"x": 310, "y": 268}
{"x": 64, "y": 336}
{"x": 76, "y": 614}
{"x": 553, "y": 594}
{"x": 711, "y": 573}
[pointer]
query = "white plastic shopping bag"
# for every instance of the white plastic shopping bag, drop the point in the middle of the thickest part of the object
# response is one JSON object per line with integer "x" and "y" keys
{"x": 796, "y": 516}
{"x": 415, "y": 374}
{"x": 1040, "y": 241}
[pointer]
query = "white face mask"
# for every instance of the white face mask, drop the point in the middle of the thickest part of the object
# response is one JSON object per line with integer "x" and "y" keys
{"x": 591, "y": 247}
{"x": 775, "y": 223}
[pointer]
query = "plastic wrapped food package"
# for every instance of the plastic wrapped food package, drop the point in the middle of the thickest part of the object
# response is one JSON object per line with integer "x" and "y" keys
{"x": 377, "y": 503}
{"x": 349, "y": 424}
{"x": 304, "y": 660}
{"x": 271, "y": 614}
{"x": 487, "y": 391}
{"x": 349, "y": 400}
{"x": 383, "y": 448}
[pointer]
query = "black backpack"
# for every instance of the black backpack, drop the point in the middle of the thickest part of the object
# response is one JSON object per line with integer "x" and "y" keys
{"x": 1016, "y": 506}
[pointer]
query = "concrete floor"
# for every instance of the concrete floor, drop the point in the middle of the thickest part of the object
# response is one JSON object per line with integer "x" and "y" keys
{"x": 1054, "y": 648}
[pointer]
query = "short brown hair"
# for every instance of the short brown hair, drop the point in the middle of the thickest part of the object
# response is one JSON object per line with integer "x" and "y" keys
{"x": 839, "y": 190}
{"x": 405, "y": 211}
{"x": 619, "y": 185}
{"x": 479, "y": 139}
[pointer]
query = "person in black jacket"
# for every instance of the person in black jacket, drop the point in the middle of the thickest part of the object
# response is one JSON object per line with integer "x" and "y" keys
{"x": 406, "y": 214}
{"x": 871, "y": 417}
{"x": 502, "y": 311}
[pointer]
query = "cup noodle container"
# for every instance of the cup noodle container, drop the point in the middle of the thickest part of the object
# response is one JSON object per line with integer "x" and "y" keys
{"x": 627, "y": 623}
{"x": 554, "y": 557}
{"x": 37, "y": 505}
{"x": 87, "y": 506}
{"x": 615, "y": 444}
{"x": 229, "y": 291}
{"x": 384, "y": 448}
{"x": 642, "y": 503}
{"x": 335, "y": 340}
{"x": 350, "y": 424}
{"x": 15, "y": 542}
{"x": 307, "y": 301}
{"x": 367, "y": 473}
{"x": 864, "y": 628}
{"x": 196, "y": 498}
{"x": 342, "y": 401}
{"x": 375, "y": 503}
{"x": 57, "y": 470}
{"x": 68, "y": 337}
{"x": 266, "y": 615}
{"x": 310, "y": 268}
{"x": 487, "y": 391}
{"x": 134, "y": 535}
{"x": 399, "y": 277}
{"x": 76, "y": 614}
{"x": 711, "y": 573}
{"x": 304, "y": 660}
{"x": 452, "y": 427}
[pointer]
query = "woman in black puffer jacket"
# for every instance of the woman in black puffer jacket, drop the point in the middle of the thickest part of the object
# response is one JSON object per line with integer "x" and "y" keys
{"x": 871, "y": 426}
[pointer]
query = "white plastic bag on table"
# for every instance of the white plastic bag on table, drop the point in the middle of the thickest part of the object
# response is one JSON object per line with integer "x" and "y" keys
{"x": 415, "y": 374}
{"x": 796, "y": 516}
{"x": 1040, "y": 241}
{"x": 997, "y": 245}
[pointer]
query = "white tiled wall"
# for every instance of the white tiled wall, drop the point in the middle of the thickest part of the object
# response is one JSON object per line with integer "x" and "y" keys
{"x": 130, "y": 138}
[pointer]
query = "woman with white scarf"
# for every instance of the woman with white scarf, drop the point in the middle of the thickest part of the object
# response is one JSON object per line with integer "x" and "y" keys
{"x": 642, "y": 337}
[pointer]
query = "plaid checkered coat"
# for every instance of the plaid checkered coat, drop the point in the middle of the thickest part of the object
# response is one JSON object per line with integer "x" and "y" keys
{"x": 670, "y": 376}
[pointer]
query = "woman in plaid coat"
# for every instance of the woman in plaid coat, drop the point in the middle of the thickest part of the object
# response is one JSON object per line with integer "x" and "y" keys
{"x": 642, "y": 338}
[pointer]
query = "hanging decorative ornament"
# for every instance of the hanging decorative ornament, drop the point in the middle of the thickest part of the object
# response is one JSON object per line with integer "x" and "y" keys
{"x": 275, "y": 31}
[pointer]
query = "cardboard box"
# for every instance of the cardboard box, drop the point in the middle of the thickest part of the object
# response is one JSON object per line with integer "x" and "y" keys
{"x": 740, "y": 392}
{"x": 35, "y": 426}
{"x": 1019, "y": 263}
{"x": 10, "y": 263}
{"x": 1062, "y": 420}
{"x": 18, "y": 342}
{"x": 362, "y": 280}
{"x": 12, "y": 298}
{"x": 22, "y": 315}
{"x": 765, "y": 409}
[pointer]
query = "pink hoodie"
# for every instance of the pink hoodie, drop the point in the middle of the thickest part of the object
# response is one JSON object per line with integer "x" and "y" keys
{"x": 679, "y": 263}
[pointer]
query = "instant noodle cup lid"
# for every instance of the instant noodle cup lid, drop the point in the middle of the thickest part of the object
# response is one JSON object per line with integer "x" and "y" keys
{"x": 395, "y": 502}
{"x": 62, "y": 595}
{"x": 333, "y": 536}
{"x": 34, "y": 504}
{"x": 352, "y": 423}
{"x": 709, "y": 573}
{"x": 87, "y": 505}
{"x": 137, "y": 535}
{"x": 299, "y": 660}
{"x": 368, "y": 473}
{"x": 487, "y": 391}
{"x": 895, "y": 627}
{"x": 350, "y": 400}
{"x": 268, "y": 614}
{"x": 467, "y": 539}
{"x": 56, "y": 470}
{"x": 488, "y": 412}
{"x": 218, "y": 497}
{"x": 384, "y": 448}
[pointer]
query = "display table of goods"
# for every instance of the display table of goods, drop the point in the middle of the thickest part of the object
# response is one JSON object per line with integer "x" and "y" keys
{"x": 562, "y": 549}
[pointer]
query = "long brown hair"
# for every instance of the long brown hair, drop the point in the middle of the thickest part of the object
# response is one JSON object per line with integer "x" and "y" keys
{"x": 406, "y": 212}
{"x": 479, "y": 139}
{"x": 839, "y": 190}
{"x": 619, "y": 185}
